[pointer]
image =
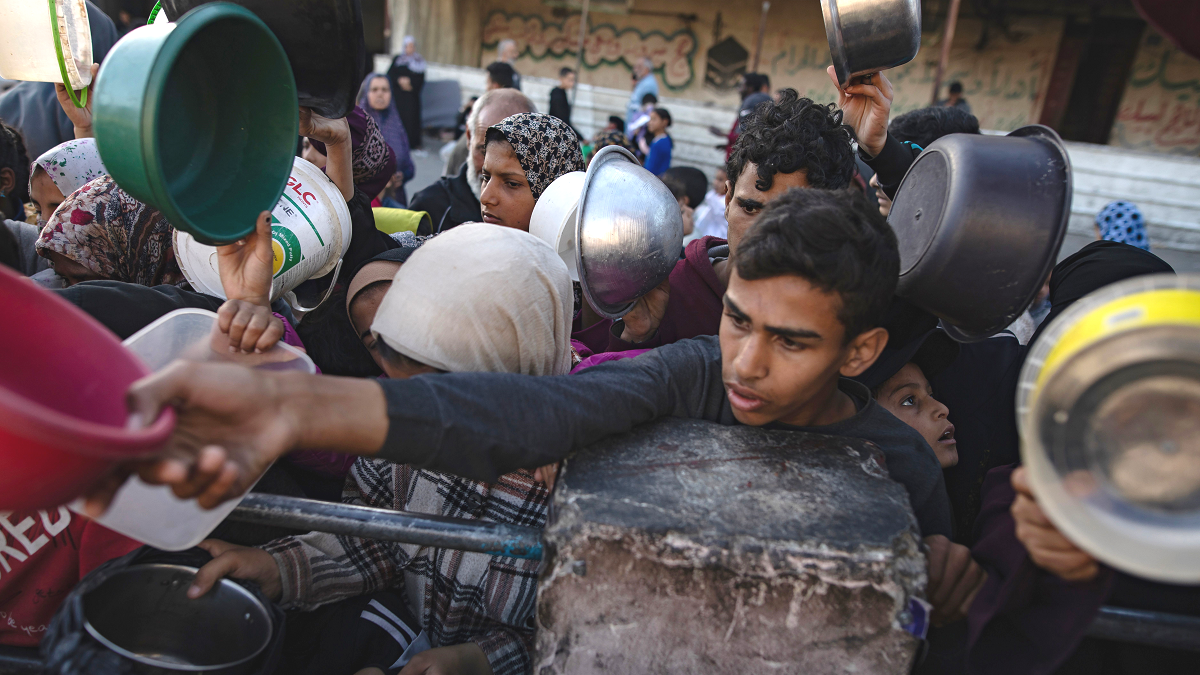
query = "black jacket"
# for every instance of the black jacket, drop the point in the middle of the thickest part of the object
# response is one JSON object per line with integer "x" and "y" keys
{"x": 560, "y": 106}
{"x": 449, "y": 202}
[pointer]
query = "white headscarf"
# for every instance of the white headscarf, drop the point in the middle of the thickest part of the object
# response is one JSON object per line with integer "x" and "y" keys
{"x": 71, "y": 165}
{"x": 481, "y": 298}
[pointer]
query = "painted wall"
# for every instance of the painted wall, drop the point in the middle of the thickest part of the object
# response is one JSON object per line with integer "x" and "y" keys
{"x": 1160, "y": 110}
{"x": 1004, "y": 83}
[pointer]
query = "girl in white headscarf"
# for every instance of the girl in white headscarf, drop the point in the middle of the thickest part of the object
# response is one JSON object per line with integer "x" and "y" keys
{"x": 62, "y": 170}
{"x": 477, "y": 298}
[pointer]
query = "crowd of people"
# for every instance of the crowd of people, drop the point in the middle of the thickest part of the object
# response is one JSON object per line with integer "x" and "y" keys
{"x": 460, "y": 366}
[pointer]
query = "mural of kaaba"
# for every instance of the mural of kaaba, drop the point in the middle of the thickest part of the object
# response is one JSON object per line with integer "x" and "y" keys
{"x": 726, "y": 64}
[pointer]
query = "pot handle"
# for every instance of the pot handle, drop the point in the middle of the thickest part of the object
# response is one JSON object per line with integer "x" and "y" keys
{"x": 79, "y": 99}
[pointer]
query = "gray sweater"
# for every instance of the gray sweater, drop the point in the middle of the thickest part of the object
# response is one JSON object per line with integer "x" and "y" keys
{"x": 482, "y": 425}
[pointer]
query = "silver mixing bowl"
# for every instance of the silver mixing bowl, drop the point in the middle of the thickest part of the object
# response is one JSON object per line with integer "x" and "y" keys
{"x": 629, "y": 232}
{"x": 143, "y": 613}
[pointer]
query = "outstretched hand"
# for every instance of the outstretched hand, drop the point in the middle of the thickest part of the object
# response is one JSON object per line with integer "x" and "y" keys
{"x": 237, "y": 562}
{"x": 866, "y": 104}
{"x": 231, "y": 424}
{"x": 81, "y": 118}
{"x": 247, "y": 265}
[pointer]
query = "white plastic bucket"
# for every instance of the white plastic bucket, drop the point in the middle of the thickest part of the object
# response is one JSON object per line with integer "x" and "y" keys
{"x": 27, "y": 41}
{"x": 553, "y": 219}
{"x": 310, "y": 232}
{"x": 152, "y": 514}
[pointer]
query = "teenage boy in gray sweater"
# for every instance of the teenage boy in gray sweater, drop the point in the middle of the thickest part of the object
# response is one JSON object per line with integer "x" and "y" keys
{"x": 802, "y": 315}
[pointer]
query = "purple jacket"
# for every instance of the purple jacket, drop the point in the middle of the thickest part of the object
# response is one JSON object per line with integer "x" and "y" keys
{"x": 694, "y": 309}
{"x": 1024, "y": 619}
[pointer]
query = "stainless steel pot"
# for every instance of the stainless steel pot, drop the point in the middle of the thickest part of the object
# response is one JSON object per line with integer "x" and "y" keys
{"x": 979, "y": 221}
{"x": 143, "y": 613}
{"x": 628, "y": 232}
{"x": 866, "y": 36}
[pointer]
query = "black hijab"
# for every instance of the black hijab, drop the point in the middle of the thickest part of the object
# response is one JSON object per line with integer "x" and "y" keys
{"x": 1093, "y": 267}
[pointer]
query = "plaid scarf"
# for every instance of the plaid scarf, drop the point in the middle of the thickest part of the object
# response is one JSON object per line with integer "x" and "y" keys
{"x": 460, "y": 597}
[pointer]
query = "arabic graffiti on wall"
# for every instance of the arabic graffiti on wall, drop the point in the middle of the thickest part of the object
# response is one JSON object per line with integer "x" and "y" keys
{"x": 604, "y": 45}
{"x": 1160, "y": 110}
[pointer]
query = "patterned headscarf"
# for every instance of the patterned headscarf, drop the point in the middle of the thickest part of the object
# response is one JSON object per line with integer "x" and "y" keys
{"x": 604, "y": 139}
{"x": 1122, "y": 222}
{"x": 71, "y": 164}
{"x": 112, "y": 234}
{"x": 374, "y": 161}
{"x": 545, "y": 146}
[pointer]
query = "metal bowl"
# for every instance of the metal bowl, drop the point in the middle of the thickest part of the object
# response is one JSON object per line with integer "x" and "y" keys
{"x": 143, "y": 613}
{"x": 629, "y": 232}
{"x": 979, "y": 220}
{"x": 867, "y": 36}
{"x": 1109, "y": 410}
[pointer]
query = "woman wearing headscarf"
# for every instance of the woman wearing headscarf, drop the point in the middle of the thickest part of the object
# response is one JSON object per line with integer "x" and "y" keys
{"x": 1122, "y": 222}
{"x": 101, "y": 232}
{"x": 476, "y": 610}
{"x": 407, "y": 76}
{"x": 525, "y": 154}
{"x": 62, "y": 170}
{"x": 372, "y": 165}
{"x": 375, "y": 98}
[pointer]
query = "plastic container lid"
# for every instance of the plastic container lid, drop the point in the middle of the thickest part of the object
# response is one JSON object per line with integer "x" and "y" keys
{"x": 1109, "y": 412}
{"x": 152, "y": 514}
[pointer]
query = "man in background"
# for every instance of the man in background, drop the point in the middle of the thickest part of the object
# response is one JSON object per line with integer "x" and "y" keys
{"x": 500, "y": 75}
{"x": 956, "y": 99}
{"x": 643, "y": 72}
{"x": 755, "y": 88}
{"x": 507, "y": 52}
{"x": 560, "y": 102}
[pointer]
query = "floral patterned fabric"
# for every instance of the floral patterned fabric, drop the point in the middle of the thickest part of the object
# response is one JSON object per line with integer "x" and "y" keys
{"x": 545, "y": 146}
{"x": 70, "y": 165}
{"x": 103, "y": 228}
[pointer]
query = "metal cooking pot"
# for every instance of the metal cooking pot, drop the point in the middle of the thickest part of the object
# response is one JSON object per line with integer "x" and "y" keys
{"x": 143, "y": 613}
{"x": 1109, "y": 410}
{"x": 979, "y": 221}
{"x": 628, "y": 231}
{"x": 867, "y": 36}
{"x": 324, "y": 43}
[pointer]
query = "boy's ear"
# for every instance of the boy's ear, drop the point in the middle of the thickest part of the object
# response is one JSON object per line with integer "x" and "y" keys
{"x": 863, "y": 350}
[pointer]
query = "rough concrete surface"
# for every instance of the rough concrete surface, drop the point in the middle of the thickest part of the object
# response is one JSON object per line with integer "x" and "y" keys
{"x": 689, "y": 547}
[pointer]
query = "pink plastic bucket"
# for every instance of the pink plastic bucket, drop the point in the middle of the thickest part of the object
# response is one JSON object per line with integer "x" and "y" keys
{"x": 63, "y": 379}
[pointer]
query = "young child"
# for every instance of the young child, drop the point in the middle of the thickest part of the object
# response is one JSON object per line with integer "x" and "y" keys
{"x": 899, "y": 380}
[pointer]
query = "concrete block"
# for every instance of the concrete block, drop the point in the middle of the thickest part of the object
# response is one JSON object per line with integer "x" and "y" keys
{"x": 689, "y": 547}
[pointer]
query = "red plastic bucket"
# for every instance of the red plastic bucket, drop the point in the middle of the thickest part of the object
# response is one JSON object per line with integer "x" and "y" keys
{"x": 63, "y": 378}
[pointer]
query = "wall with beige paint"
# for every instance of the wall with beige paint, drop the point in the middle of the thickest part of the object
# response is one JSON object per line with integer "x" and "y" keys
{"x": 1160, "y": 110}
{"x": 1004, "y": 82}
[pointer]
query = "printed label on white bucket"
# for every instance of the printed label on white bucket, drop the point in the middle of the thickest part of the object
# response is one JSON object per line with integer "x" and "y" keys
{"x": 310, "y": 231}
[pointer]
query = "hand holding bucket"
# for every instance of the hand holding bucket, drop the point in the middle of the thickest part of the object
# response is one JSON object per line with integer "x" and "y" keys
{"x": 50, "y": 46}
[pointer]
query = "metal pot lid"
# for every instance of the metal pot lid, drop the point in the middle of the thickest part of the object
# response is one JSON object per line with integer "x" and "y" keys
{"x": 979, "y": 221}
{"x": 628, "y": 232}
{"x": 1109, "y": 409}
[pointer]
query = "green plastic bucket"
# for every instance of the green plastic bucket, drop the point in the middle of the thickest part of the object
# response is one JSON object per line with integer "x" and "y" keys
{"x": 198, "y": 118}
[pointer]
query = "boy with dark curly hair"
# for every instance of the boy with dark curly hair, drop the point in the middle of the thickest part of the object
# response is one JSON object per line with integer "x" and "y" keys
{"x": 784, "y": 144}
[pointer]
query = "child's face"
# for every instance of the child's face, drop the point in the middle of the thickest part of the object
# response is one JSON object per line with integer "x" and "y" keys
{"x": 506, "y": 199}
{"x": 908, "y": 396}
{"x": 45, "y": 194}
{"x": 567, "y": 81}
{"x": 720, "y": 184}
{"x": 782, "y": 350}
